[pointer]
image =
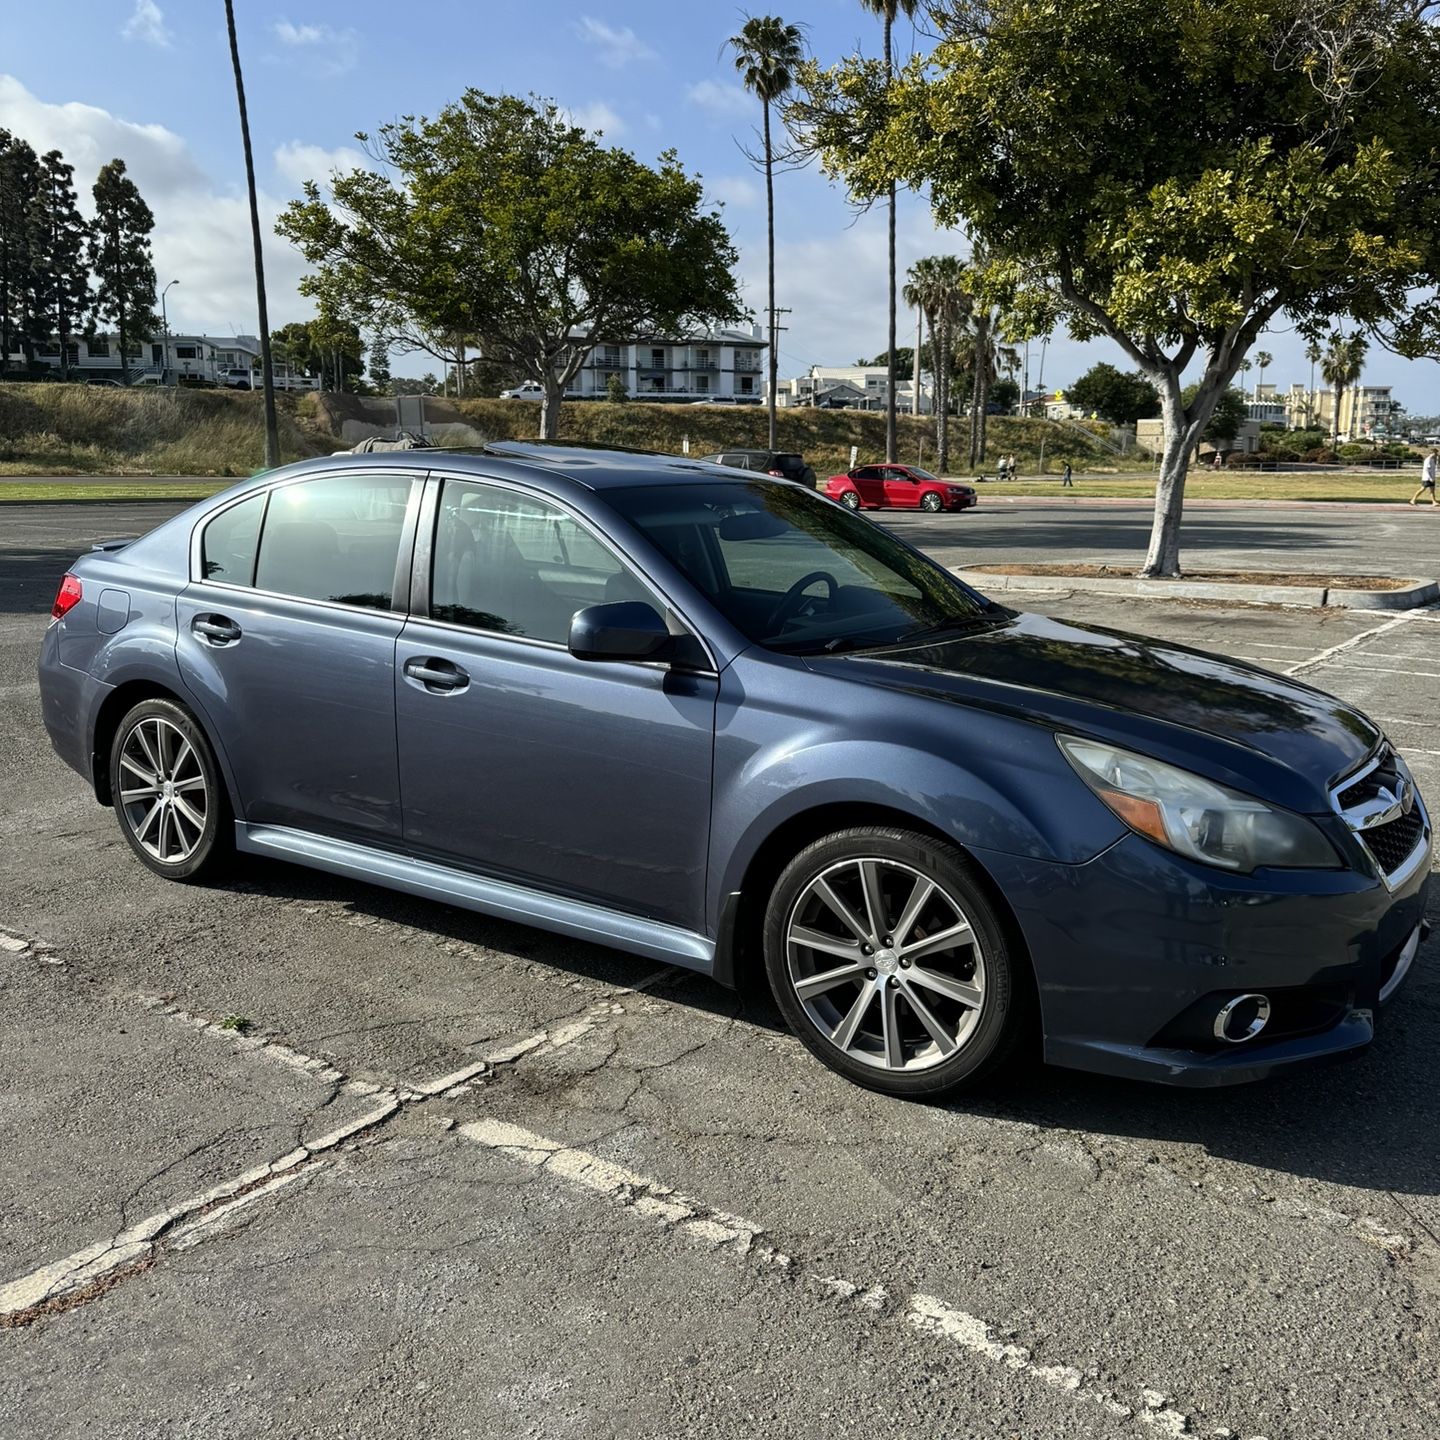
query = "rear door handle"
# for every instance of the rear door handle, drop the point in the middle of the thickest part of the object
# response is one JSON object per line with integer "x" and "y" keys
{"x": 437, "y": 676}
{"x": 215, "y": 629}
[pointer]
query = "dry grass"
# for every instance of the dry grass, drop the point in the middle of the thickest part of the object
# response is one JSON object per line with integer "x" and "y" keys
{"x": 97, "y": 430}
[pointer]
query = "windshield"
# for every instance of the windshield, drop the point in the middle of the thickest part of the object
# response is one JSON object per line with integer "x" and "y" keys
{"x": 796, "y": 572}
{"x": 920, "y": 474}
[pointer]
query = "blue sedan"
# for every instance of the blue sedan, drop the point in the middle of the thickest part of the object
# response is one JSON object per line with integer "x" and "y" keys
{"x": 723, "y": 722}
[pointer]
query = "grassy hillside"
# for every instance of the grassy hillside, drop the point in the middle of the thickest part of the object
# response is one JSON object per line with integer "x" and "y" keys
{"x": 97, "y": 430}
{"x": 824, "y": 437}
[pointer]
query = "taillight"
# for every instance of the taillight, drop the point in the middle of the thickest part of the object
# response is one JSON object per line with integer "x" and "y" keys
{"x": 778, "y": 474}
{"x": 67, "y": 598}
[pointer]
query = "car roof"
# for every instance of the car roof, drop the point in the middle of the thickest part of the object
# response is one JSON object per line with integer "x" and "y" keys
{"x": 596, "y": 467}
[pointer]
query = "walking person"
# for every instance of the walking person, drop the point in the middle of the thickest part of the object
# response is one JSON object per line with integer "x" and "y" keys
{"x": 1067, "y": 476}
{"x": 1429, "y": 473}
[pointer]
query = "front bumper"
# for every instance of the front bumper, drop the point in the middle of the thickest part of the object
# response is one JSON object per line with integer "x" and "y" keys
{"x": 1136, "y": 950}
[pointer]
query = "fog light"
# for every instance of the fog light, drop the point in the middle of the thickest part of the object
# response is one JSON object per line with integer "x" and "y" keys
{"x": 1242, "y": 1019}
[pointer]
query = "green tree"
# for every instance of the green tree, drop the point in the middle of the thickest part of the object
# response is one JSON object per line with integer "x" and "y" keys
{"x": 500, "y": 221}
{"x": 1276, "y": 156}
{"x": 379, "y": 366}
{"x": 62, "y": 294}
{"x": 1226, "y": 419}
{"x": 19, "y": 179}
{"x": 616, "y": 391}
{"x": 767, "y": 53}
{"x": 889, "y": 11}
{"x": 267, "y": 368}
{"x": 1263, "y": 361}
{"x": 1340, "y": 366}
{"x": 937, "y": 286}
{"x": 119, "y": 256}
{"x": 1313, "y": 352}
{"x": 1120, "y": 398}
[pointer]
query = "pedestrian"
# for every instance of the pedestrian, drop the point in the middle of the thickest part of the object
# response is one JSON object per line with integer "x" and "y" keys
{"x": 1429, "y": 473}
{"x": 1000, "y": 468}
{"x": 1066, "y": 476}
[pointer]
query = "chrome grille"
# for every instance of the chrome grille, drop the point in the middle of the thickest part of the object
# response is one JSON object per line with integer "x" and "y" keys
{"x": 1382, "y": 806}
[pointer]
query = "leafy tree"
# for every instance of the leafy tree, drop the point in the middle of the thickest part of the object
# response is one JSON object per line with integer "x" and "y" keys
{"x": 1340, "y": 367}
{"x": 379, "y": 366}
{"x": 616, "y": 391}
{"x": 937, "y": 286}
{"x": 19, "y": 178}
{"x": 1226, "y": 419}
{"x": 904, "y": 359}
{"x": 500, "y": 221}
{"x": 119, "y": 255}
{"x": 1276, "y": 156}
{"x": 767, "y": 53}
{"x": 1005, "y": 394}
{"x": 1120, "y": 398}
{"x": 1263, "y": 361}
{"x": 409, "y": 385}
{"x": 272, "y": 424}
{"x": 889, "y": 11}
{"x": 62, "y": 292}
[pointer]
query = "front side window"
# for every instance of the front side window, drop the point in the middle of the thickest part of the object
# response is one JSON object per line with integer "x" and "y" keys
{"x": 229, "y": 543}
{"x": 520, "y": 566}
{"x": 336, "y": 539}
{"x": 796, "y": 572}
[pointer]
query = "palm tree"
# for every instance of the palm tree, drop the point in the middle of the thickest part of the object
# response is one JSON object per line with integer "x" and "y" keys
{"x": 272, "y": 428}
{"x": 938, "y": 287}
{"x": 767, "y": 53}
{"x": 1340, "y": 367}
{"x": 889, "y": 11}
{"x": 1312, "y": 354}
{"x": 1263, "y": 360}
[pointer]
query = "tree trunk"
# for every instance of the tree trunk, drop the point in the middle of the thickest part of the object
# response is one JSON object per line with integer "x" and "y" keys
{"x": 124, "y": 357}
{"x": 267, "y": 368}
{"x": 770, "y": 270}
{"x": 550, "y": 407}
{"x": 890, "y": 355}
{"x": 919, "y": 345}
{"x": 942, "y": 431}
{"x": 1182, "y": 431}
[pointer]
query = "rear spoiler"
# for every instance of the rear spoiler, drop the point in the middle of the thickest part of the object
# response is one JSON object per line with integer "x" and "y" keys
{"x": 109, "y": 547}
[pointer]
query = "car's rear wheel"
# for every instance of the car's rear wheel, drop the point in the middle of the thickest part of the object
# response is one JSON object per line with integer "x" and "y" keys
{"x": 932, "y": 502}
{"x": 167, "y": 791}
{"x": 889, "y": 962}
{"x": 851, "y": 500}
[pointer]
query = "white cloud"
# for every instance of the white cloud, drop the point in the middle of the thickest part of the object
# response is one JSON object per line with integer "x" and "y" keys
{"x": 614, "y": 48}
{"x": 299, "y": 162}
{"x": 202, "y": 229}
{"x": 739, "y": 192}
{"x": 599, "y": 118}
{"x": 326, "y": 51}
{"x": 147, "y": 23}
{"x": 721, "y": 99}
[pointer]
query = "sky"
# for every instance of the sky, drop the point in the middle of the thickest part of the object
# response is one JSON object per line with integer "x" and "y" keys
{"x": 150, "y": 81}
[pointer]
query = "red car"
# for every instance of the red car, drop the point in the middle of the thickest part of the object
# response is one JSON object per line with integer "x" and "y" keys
{"x": 898, "y": 487}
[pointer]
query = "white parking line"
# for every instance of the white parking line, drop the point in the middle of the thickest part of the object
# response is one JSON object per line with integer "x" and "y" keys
{"x": 720, "y": 1231}
{"x": 1330, "y": 652}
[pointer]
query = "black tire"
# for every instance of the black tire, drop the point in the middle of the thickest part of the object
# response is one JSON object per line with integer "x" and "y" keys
{"x": 850, "y": 500}
{"x": 985, "y": 1033}
{"x": 931, "y": 503}
{"x": 195, "y": 788}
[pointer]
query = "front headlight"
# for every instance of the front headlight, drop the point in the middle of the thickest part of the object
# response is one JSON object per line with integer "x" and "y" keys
{"x": 1195, "y": 817}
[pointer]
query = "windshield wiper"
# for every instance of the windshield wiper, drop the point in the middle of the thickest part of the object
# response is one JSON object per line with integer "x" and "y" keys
{"x": 921, "y": 633}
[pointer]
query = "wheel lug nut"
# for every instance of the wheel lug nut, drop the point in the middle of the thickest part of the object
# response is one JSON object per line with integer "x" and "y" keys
{"x": 869, "y": 974}
{"x": 887, "y": 942}
{"x": 867, "y": 949}
{"x": 904, "y": 964}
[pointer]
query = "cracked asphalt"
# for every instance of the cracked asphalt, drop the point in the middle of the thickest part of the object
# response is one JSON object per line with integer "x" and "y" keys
{"x": 444, "y": 1176}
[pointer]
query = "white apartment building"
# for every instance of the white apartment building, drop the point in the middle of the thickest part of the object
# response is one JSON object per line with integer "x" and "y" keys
{"x": 712, "y": 364}
{"x": 853, "y": 387}
{"x": 193, "y": 359}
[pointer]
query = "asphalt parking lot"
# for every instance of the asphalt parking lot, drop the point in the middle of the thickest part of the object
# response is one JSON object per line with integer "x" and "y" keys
{"x": 343, "y": 1162}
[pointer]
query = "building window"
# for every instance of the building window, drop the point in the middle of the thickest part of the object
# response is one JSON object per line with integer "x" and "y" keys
{"x": 747, "y": 385}
{"x": 187, "y": 352}
{"x": 702, "y": 383}
{"x": 657, "y": 359}
{"x": 99, "y": 347}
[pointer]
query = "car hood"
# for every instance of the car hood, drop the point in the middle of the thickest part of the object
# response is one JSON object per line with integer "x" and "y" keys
{"x": 1233, "y": 722}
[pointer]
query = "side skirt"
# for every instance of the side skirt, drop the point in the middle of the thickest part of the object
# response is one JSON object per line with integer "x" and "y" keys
{"x": 506, "y": 901}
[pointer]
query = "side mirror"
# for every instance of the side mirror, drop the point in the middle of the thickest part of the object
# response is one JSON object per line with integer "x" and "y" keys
{"x": 621, "y": 630}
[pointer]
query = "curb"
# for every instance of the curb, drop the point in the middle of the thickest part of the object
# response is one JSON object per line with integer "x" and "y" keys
{"x": 1419, "y": 593}
{"x": 1200, "y": 502}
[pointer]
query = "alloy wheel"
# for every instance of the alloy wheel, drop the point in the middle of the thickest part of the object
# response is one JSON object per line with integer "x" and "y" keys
{"x": 163, "y": 794}
{"x": 931, "y": 502}
{"x": 886, "y": 964}
{"x": 850, "y": 500}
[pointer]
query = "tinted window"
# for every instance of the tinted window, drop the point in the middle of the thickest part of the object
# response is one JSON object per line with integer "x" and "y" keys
{"x": 335, "y": 539}
{"x": 520, "y": 566}
{"x": 228, "y": 543}
{"x": 795, "y": 571}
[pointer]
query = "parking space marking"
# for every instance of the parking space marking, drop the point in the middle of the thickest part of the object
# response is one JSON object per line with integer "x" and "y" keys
{"x": 721, "y": 1232}
{"x": 1320, "y": 657}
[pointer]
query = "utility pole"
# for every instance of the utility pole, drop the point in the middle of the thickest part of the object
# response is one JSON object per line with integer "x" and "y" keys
{"x": 1025, "y": 382}
{"x": 165, "y": 335}
{"x": 776, "y": 329}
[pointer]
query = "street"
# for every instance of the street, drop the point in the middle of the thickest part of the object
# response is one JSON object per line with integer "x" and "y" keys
{"x": 444, "y": 1176}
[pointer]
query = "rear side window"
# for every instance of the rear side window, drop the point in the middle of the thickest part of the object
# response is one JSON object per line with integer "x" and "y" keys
{"x": 229, "y": 542}
{"x": 335, "y": 539}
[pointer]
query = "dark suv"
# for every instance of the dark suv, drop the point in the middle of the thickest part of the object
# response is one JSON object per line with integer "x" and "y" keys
{"x": 782, "y": 464}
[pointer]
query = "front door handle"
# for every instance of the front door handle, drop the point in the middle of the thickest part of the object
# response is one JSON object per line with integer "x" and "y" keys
{"x": 215, "y": 629}
{"x": 437, "y": 676}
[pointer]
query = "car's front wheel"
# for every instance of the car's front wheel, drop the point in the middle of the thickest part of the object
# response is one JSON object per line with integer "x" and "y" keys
{"x": 850, "y": 500}
{"x": 931, "y": 502}
{"x": 890, "y": 964}
{"x": 167, "y": 791}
